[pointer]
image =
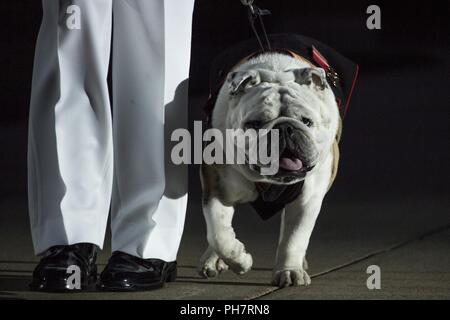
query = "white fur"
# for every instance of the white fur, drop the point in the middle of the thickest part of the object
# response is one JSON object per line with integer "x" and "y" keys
{"x": 274, "y": 94}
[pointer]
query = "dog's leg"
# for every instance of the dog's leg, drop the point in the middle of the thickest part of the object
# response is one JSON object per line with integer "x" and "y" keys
{"x": 222, "y": 238}
{"x": 211, "y": 264}
{"x": 296, "y": 228}
{"x": 224, "y": 249}
{"x": 297, "y": 224}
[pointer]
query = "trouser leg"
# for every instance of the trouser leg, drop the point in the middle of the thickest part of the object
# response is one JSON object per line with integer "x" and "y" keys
{"x": 70, "y": 138}
{"x": 151, "y": 55}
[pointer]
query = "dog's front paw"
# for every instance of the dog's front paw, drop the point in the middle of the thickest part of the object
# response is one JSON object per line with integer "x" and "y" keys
{"x": 291, "y": 277}
{"x": 242, "y": 264}
{"x": 233, "y": 253}
{"x": 211, "y": 265}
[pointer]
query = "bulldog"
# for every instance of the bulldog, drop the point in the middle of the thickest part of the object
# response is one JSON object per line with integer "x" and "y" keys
{"x": 282, "y": 90}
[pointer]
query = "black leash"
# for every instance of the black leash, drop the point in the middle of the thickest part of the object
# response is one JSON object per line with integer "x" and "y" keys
{"x": 256, "y": 13}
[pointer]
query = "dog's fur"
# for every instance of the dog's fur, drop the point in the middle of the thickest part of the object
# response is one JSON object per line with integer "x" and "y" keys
{"x": 273, "y": 88}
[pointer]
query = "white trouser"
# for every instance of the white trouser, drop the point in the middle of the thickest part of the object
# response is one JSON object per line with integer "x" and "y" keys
{"x": 80, "y": 159}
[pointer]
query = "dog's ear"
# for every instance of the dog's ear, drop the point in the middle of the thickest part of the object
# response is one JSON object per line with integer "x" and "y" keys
{"x": 311, "y": 76}
{"x": 238, "y": 81}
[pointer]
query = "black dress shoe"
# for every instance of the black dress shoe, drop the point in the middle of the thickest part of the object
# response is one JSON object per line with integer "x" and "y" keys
{"x": 53, "y": 273}
{"x": 125, "y": 272}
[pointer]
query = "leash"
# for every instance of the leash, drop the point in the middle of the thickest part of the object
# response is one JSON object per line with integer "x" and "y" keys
{"x": 256, "y": 13}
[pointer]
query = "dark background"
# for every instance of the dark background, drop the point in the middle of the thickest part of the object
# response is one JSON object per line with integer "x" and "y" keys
{"x": 396, "y": 133}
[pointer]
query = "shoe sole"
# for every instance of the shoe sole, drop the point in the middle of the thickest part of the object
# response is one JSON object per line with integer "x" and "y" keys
{"x": 119, "y": 287}
{"x": 61, "y": 286}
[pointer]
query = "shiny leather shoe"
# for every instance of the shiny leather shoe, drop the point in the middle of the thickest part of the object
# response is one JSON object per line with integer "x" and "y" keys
{"x": 52, "y": 274}
{"x": 125, "y": 272}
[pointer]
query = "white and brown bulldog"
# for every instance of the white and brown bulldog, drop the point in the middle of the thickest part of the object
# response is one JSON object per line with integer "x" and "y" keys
{"x": 291, "y": 93}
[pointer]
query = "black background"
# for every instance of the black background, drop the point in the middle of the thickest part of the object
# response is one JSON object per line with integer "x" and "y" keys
{"x": 396, "y": 134}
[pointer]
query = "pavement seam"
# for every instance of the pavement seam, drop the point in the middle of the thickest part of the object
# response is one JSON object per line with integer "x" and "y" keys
{"x": 396, "y": 246}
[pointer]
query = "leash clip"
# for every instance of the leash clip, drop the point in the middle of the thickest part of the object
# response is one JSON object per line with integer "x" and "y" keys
{"x": 256, "y": 13}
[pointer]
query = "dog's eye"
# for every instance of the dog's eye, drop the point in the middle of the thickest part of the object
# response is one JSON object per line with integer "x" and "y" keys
{"x": 307, "y": 121}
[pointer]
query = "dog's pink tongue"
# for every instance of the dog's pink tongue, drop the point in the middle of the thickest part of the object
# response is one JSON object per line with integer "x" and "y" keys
{"x": 291, "y": 164}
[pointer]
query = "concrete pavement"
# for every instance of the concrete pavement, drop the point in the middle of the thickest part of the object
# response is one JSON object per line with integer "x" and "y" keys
{"x": 399, "y": 236}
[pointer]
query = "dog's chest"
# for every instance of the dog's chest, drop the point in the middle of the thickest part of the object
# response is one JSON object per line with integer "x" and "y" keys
{"x": 235, "y": 188}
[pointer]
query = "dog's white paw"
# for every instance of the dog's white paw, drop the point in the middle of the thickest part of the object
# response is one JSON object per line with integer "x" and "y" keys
{"x": 291, "y": 277}
{"x": 242, "y": 264}
{"x": 211, "y": 265}
{"x": 232, "y": 252}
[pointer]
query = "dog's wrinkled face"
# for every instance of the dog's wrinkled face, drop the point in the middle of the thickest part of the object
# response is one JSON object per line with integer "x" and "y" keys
{"x": 285, "y": 95}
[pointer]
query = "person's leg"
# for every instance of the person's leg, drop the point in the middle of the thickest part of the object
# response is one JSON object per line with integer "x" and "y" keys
{"x": 70, "y": 142}
{"x": 151, "y": 55}
{"x": 151, "y": 58}
{"x": 70, "y": 138}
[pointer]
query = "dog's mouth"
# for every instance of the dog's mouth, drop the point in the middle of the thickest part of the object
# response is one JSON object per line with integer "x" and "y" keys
{"x": 290, "y": 162}
{"x": 289, "y": 165}
{"x": 296, "y": 154}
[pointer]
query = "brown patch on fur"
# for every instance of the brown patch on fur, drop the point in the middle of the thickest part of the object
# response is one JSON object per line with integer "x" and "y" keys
{"x": 299, "y": 57}
{"x": 210, "y": 180}
{"x": 335, "y": 152}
